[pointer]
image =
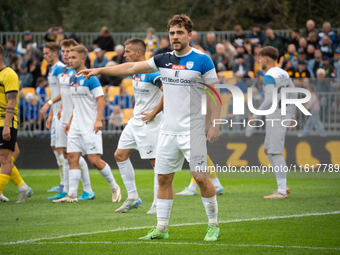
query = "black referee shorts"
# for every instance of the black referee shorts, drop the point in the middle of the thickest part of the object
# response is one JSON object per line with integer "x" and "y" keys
{"x": 11, "y": 143}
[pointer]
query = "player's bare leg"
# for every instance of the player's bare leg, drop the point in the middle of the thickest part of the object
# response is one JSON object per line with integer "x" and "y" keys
{"x": 153, "y": 209}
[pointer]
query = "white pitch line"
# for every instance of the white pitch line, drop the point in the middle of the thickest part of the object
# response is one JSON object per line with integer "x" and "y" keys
{"x": 202, "y": 244}
{"x": 175, "y": 225}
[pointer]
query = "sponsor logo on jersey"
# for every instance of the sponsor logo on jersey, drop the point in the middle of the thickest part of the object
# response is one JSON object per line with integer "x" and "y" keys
{"x": 75, "y": 84}
{"x": 65, "y": 75}
{"x": 169, "y": 64}
{"x": 190, "y": 64}
{"x": 177, "y": 74}
{"x": 137, "y": 78}
{"x": 178, "y": 67}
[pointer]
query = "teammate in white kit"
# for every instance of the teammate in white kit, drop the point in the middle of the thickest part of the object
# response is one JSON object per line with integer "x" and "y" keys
{"x": 275, "y": 78}
{"x": 64, "y": 114}
{"x": 141, "y": 132}
{"x": 84, "y": 127}
{"x": 182, "y": 132}
{"x": 51, "y": 55}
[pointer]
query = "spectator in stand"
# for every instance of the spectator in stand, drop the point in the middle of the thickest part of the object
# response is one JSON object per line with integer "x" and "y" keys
{"x": 313, "y": 106}
{"x": 105, "y": 40}
{"x": 302, "y": 44}
{"x": 322, "y": 84}
{"x": 288, "y": 67}
{"x": 117, "y": 116}
{"x": 52, "y": 34}
{"x": 302, "y": 57}
{"x": 315, "y": 63}
{"x": 16, "y": 64}
{"x": 239, "y": 82}
{"x": 258, "y": 87}
{"x": 220, "y": 58}
{"x": 291, "y": 55}
{"x": 101, "y": 59}
{"x": 22, "y": 108}
{"x": 28, "y": 40}
{"x": 326, "y": 46}
{"x": 108, "y": 80}
{"x": 257, "y": 68}
{"x": 25, "y": 77}
{"x": 9, "y": 56}
{"x": 32, "y": 113}
{"x": 10, "y": 43}
{"x": 256, "y": 35}
{"x": 198, "y": 47}
{"x": 119, "y": 58}
{"x": 210, "y": 44}
{"x": 195, "y": 39}
{"x": 229, "y": 50}
{"x": 107, "y": 110}
{"x": 277, "y": 41}
{"x": 151, "y": 40}
{"x": 326, "y": 27}
{"x": 310, "y": 26}
{"x": 327, "y": 67}
{"x": 295, "y": 35}
{"x": 164, "y": 46}
{"x": 337, "y": 65}
{"x": 239, "y": 36}
{"x": 240, "y": 67}
{"x": 40, "y": 91}
{"x": 313, "y": 39}
{"x": 310, "y": 52}
{"x": 124, "y": 100}
{"x": 34, "y": 69}
{"x": 300, "y": 73}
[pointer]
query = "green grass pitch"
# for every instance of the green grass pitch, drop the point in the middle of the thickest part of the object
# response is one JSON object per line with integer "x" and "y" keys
{"x": 308, "y": 222}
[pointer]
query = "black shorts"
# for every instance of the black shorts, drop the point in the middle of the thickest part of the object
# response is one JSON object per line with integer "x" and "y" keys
{"x": 11, "y": 144}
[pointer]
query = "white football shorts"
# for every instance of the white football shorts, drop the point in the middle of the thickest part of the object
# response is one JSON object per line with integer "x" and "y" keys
{"x": 89, "y": 143}
{"x": 274, "y": 140}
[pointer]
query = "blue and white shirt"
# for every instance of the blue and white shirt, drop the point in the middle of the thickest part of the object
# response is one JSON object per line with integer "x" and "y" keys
{"x": 147, "y": 94}
{"x": 84, "y": 93}
{"x": 181, "y": 78}
{"x": 54, "y": 83}
{"x": 66, "y": 99}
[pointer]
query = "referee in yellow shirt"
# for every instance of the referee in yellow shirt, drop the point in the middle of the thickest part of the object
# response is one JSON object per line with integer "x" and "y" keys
{"x": 9, "y": 89}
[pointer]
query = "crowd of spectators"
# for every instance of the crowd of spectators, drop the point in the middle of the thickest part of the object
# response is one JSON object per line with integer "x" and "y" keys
{"x": 305, "y": 54}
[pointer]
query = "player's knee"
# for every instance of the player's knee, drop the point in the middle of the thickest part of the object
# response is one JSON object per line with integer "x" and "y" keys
{"x": 119, "y": 156}
{"x": 163, "y": 180}
{"x": 200, "y": 181}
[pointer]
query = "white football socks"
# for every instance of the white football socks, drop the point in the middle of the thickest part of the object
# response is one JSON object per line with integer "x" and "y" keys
{"x": 108, "y": 176}
{"x": 211, "y": 209}
{"x": 128, "y": 175}
{"x": 155, "y": 189}
{"x": 23, "y": 188}
{"x": 192, "y": 186}
{"x": 216, "y": 182}
{"x": 61, "y": 168}
{"x": 163, "y": 213}
{"x": 74, "y": 177}
{"x": 85, "y": 176}
{"x": 66, "y": 175}
{"x": 56, "y": 156}
{"x": 279, "y": 165}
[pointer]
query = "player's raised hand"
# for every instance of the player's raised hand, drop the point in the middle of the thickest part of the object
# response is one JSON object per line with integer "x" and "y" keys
{"x": 148, "y": 116}
{"x": 88, "y": 73}
{"x": 98, "y": 126}
{"x": 213, "y": 134}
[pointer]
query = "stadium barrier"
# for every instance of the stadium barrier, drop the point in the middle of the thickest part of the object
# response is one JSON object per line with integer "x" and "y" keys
{"x": 31, "y": 124}
{"x": 87, "y": 37}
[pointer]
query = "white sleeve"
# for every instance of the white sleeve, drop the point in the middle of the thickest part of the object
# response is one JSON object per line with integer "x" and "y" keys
{"x": 97, "y": 92}
{"x": 152, "y": 64}
{"x": 210, "y": 77}
{"x": 268, "y": 97}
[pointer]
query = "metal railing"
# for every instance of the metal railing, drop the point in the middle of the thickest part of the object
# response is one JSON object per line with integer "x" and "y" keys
{"x": 33, "y": 125}
{"x": 87, "y": 37}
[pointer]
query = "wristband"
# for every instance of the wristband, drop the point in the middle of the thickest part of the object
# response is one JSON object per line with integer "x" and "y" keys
{"x": 50, "y": 102}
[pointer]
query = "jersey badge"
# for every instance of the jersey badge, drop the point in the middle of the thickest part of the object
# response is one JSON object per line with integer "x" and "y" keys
{"x": 190, "y": 64}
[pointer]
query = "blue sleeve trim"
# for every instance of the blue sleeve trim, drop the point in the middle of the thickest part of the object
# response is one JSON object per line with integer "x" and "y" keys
{"x": 268, "y": 80}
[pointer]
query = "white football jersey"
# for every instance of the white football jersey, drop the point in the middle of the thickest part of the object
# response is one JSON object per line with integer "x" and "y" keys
{"x": 66, "y": 99}
{"x": 84, "y": 93}
{"x": 183, "y": 78}
{"x": 54, "y": 83}
{"x": 147, "y": 94}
